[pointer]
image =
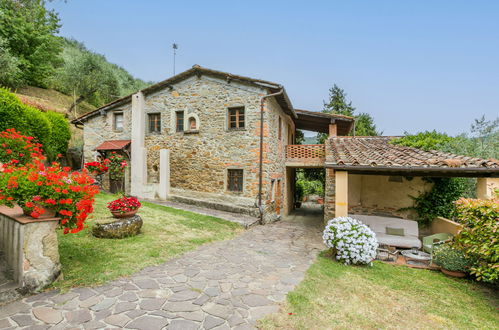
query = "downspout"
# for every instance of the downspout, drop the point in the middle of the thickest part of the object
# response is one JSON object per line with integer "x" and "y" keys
{"x": 260, "y": 177}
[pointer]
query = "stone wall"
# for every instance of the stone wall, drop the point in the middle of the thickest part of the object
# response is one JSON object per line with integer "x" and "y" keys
{"x": 375, "y": 195}
{"x": 30, "y": 247}
{"x": 199, "y": 159}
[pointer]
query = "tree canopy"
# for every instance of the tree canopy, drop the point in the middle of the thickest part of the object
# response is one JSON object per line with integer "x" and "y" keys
{"x": 338, "y": 104}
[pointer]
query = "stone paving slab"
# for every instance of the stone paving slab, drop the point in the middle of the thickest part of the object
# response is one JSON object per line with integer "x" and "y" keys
{"x": 223, "y": 285}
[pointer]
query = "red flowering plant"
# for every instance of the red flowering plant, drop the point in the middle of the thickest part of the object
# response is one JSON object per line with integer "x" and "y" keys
{"x": 18, "y": 149}
{"x": 35, "y": 186}
{"x": 124, "y": 204}
{"x": 117, "y": 165}
{"x": 97, "y": 168}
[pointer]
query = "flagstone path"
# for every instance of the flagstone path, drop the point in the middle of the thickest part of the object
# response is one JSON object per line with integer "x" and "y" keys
{"x": 223, "y": 285}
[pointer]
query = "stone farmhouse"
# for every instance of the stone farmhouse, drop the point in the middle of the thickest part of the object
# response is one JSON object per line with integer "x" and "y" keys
{"x": 225, "y": 141}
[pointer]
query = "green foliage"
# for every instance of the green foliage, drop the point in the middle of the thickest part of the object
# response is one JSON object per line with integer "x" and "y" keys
{"x": 117, "y": 165}
{"x": 311, "y": 184}
{"x": 50, "y": 129}
{"x": 10, "y": 75}
{"x": 427, "y": 140}
{"x": 451, "y": 258}
{"x": 338, "y": 104}
{"x": 59, "y": 137}
{"x": 37, "y": 125}
{"x": 299, "y": 137}
{"x": 91, "y": 77}
{"x": 28, "y": 29}
{"x": 11, "y": 110}
{"x": 479, "y": 238}
{"x": 439, "y": 200}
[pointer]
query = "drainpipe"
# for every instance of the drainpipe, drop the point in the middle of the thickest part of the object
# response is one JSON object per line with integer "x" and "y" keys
{"x": 260, "y": 178}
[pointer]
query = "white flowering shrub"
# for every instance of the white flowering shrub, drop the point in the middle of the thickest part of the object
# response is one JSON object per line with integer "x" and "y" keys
{"x": 353, "y": 241}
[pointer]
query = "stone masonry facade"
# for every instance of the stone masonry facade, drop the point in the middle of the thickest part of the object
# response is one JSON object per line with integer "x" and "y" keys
{"x": 200, "y": 158}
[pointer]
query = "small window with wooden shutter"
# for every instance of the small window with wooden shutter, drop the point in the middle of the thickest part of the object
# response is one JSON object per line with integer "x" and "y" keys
{"x": 154, "y": 122}
{"x": 235, "y": 180}
{"x": 236, "y": 118}
{"x": 179, "y": 121}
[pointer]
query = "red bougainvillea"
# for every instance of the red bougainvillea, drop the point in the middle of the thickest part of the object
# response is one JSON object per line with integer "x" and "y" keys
{"x": 124, "y": 204}
{"x": 36, "y": 186}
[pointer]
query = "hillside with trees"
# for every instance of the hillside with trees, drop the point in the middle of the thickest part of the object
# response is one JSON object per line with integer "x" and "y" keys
{"x": 32, "y": 55}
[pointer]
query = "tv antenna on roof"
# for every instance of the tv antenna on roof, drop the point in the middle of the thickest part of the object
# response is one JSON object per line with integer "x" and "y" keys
{"x": 175, "y": 47}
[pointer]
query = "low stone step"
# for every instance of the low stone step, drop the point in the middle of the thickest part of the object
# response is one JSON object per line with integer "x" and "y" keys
{"x": 251, "y": 211}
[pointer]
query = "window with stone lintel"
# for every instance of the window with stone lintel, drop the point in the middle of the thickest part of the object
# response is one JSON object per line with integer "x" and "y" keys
{"x": 236, "y": 118}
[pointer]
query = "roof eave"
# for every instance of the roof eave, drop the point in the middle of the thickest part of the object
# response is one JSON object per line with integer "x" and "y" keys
{"x": 418, "y": 171}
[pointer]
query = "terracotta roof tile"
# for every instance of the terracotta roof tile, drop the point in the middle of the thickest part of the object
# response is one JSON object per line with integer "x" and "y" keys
{"x": 379, "y": 152}
{"x": 113, "y": 145}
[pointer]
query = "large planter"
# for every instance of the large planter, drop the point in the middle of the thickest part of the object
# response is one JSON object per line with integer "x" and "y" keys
{"x": 453, "y": 273}
{"x": 120, "y": 215}
{"x": 117, "y": 228}
{"x": 116, "y": 186}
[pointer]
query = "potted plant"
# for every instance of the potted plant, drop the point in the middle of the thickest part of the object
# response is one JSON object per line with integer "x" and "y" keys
{"x": 117, "y": 165}
{"x": 453, "y": 262}
{"x": 124, "y": 207}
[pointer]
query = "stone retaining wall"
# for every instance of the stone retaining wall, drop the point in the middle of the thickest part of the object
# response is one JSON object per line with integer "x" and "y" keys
{"x": 30, "y": 247}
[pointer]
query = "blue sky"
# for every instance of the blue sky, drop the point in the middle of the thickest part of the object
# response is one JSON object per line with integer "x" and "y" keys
{"x": 413, "y": 65}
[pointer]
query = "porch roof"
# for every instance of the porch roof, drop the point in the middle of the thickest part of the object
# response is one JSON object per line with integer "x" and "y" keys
{"x": 319, "y": 122}
{"x": 113, "y": 145}
{"x": 376, "y": 155}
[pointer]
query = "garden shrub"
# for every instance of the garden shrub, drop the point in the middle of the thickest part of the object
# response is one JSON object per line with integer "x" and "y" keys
{"x": 36, "y": 125}
{"x": 11, "y": 111}
{"x": 451, "y": 258}
{"x": 352, "y": 241}
{"x": 479, "y": 238}
{"x": 59, "y": 137}
{"x": 48, "y": 128}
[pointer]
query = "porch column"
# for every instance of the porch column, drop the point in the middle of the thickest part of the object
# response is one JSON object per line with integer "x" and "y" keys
{"x": 164, "y": 173}
{"x": 485, "y": 187}
{"x": 333, "y": 129}
{"x": 138, "y": 152}
{"x": 341, "y": 207}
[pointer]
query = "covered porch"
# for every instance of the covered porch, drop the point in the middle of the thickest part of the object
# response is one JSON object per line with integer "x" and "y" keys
{"x": 370, "y": 175}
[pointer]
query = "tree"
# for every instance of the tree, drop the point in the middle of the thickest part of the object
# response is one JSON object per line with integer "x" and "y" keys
{"x": 338, "y": 104}
{"x": 28, "y": 29}
{"x": 10, "y": 74}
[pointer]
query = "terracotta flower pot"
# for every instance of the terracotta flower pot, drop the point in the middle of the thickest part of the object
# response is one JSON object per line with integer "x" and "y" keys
{"x": 320, "y": 200}
{"x": 124, "y": 215}
{"x": 453, "y": 273}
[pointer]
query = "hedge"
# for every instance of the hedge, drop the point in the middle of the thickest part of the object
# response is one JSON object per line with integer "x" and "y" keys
{"x": 48, "y": 128}
{"x": 59, "y": 137}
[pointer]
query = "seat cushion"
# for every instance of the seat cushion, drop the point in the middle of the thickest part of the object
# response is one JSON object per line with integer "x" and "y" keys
{"x": 407, "y": 241}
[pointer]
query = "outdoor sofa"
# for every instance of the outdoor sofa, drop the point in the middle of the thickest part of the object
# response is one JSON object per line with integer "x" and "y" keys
{"x": 392, "y": 231}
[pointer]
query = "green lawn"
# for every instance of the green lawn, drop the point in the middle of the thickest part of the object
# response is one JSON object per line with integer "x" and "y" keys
{"x": 166, "y": 233}
{"x": 384, "y": 296}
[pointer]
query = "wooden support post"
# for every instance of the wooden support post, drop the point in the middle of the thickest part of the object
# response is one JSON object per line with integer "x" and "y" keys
{"x": 333, "y": 129}
{"x": 341, "y": 207}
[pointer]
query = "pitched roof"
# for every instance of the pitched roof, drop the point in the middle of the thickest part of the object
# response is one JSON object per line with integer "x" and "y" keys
{"x": 113, "y": 145}
{"x": 282, "y": 99}
{"x": 319, "y": 121}
{"x": 377, "y": 154}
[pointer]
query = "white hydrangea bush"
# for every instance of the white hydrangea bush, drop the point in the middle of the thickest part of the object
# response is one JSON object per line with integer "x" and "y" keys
{"x": 354, "y": 242}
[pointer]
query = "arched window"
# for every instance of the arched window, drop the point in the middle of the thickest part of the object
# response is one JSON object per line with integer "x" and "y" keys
{"x": 192, "y": 124}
